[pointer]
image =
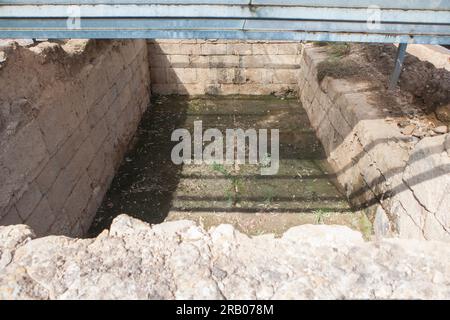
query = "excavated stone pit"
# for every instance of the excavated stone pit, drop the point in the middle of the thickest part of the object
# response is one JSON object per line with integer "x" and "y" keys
{"x": 77, "y": 119}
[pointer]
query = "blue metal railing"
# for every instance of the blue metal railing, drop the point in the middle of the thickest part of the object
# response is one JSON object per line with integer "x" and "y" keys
{"x": 384, "y": 21}
{"x": 411, "y": 21}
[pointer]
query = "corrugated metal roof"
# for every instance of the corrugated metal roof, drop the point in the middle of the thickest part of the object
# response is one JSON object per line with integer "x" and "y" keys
{"x": 407, "y": 21}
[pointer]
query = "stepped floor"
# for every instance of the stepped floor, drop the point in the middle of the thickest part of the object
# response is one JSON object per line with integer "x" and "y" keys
{"x": 150, "y": 187}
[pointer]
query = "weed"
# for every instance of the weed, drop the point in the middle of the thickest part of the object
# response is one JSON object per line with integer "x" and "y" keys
{"x": 269, "y": 195}
{"x": 265, "y": 161}
{"x": 221, "y": 169}
{"x": 336, "y": 49}
{"x": 320, "y": 216}
{"x": 320, "y": 43}
{"x": 336, "y": 68}
{"x": 365, "y": 226}
{"x": 236, "y": 183}
{"x": 339, "y": 49}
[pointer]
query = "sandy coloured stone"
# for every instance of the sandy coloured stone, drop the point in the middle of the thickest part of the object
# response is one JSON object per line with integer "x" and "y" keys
{"x": 179, "y": 260}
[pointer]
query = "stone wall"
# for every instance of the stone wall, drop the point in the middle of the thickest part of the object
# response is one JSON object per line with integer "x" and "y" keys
{"x": 67, "y": 114}
{"x": 403, "y": 182}
{"x": 198, "y": 67}
{"x": 69, "y": 110}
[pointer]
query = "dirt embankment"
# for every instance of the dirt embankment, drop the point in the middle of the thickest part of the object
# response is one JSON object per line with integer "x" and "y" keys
{"x": 421, "y": 103}
{"x": 27, "y": 67}
{"x": 429, "y": 86}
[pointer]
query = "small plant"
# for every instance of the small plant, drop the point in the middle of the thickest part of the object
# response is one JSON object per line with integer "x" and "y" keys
{"x": 365, "y": 226}
{"x": 340, "y": 49}
{"x": 269, "y": 195}
{"x": 336, "y": 68}
{"x": 320, "y": 216}
{"x": 265, "y": 161}
{"x": 229, "y": 195}
{"x": 233, "y": 190}
{"x": 221, "y": 169}
{"x": 320, "y": 43}
{"x": 336, "y": 49}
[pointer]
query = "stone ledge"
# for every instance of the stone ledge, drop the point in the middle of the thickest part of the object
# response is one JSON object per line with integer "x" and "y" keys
{"x": 180, "y": 260}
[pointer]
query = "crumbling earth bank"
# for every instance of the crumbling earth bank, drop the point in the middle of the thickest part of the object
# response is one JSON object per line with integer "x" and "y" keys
{"x": 183, "y": 261}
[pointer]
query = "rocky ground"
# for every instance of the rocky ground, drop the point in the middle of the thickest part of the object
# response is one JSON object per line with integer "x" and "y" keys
{"x": 183, "y": 261}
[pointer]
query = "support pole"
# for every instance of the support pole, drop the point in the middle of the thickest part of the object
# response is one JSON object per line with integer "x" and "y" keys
{"x": 401, "y": 54}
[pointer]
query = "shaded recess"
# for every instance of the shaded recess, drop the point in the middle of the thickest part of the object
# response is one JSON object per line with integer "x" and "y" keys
{"x": 150, "y": 187}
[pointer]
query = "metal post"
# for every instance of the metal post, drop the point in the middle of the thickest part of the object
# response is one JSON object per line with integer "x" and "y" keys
{"x": 401, "y": 54}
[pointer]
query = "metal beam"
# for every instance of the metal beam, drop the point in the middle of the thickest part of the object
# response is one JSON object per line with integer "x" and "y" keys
{"x": 226, "y": 12}
{"x": 399, "y": 60}
{"x": 406, "y": 21}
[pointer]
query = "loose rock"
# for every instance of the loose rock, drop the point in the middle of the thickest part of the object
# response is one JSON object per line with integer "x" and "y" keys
{"x": 441, "y": 129}
{"x": 408, "y": 130}
{"x": 443, "y": 113}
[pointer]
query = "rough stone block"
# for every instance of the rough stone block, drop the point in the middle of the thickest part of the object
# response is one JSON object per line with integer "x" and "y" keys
{"x": 213, "y": 49}
{"x": 163, "y": 89}
{"x": 29, "y": 200}
{"x": 78, "y": 198}
{"x": 57, "y": 124}
{"x": 113, "y": 63}
{"x": 254, "y": 61}
{"x": 286, "y": 76}
{"x": 129, "y": 51}
{"x": 48, "y": 175}
{"x": 25, "y": 154}
{"x": 264, "y": 49}
{"x": 293, "y": 48}
{"x": 42, "y": 218}
{"x": 191, "y": 89}
{"x": 99, "y": 110}
{"x": 239, "y": 49}
{"x": 67, "y": 178}
{"x": 98, "y": 134}
{"x": 253, "y": 75}
{"x": 166, "y": 48}
{"x": 11, "y": 217}
{"x": 223, "y": 61}
{"x": 229, "y": 89}
{"x": 179, "y": 61}
{"x": 71, "y": 145}
{"x": 182, "y": 75}
{"x": 159, "y": 61}
{"x": 282, "y": 62}
{"x": 124, "y": 78}
{"x": 220, "y": 75}
{"x": 199, "y": 61}
{"x": 159, "y": 75}
{"x": 95, "y": 82}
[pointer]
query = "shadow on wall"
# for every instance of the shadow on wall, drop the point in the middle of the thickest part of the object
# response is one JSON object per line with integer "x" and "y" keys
{"x": 147, "y": 178}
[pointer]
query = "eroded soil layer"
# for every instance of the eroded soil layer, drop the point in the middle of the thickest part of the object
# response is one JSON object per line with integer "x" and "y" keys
{"x": 150, "y": 187}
